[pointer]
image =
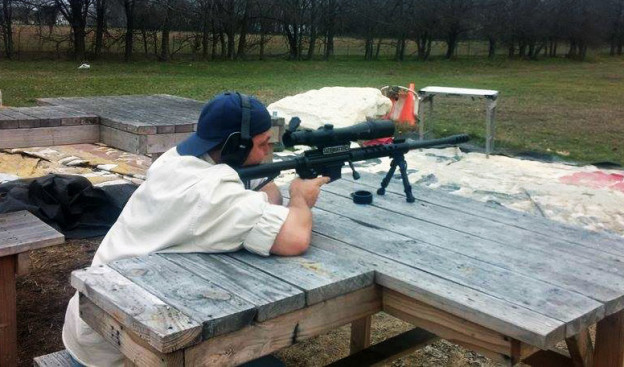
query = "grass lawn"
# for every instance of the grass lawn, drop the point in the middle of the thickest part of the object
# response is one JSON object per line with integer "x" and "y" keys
{"x": 561, "y": 107}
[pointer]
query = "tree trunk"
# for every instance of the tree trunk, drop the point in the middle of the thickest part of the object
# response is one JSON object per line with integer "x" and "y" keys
{"x": 164, "y": 44}
{"x": 100, "y": 9}
{"x": 451, "y": 43}
{"x": 399, "y": 53}
{"x": 368, "y": 48}
{"x": 205, "y": 33}
{"x": 262, "y": 42}
{"x": 378, "y": 48}
{"x": 313, "y": 30}
{"x": 222, "y": 44}
{"x": 129, "y": 6}
{"x": 619, "y": 47}
{"x": 242, "y": 40}
{"x": 511, "y": 52}
{"x": 144, "y": 35}
{"x": 312, "y": 44}
{"x": 573, "y": 51}
{"x": 300, "y": 44}
{"x": 491, "y": 47}
{"x": 7, "y": 28}
{"x": 79, "y": 42}
{"x": 329, "y": 45}
{"x": 155, "y": 38}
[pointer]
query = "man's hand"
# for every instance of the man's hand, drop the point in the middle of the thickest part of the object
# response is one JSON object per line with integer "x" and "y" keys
{"x": 308, "y": 190}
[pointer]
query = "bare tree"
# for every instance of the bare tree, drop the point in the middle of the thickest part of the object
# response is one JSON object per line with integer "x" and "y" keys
{"x": 76, "y": 12}
{"x": 455, "y": 18}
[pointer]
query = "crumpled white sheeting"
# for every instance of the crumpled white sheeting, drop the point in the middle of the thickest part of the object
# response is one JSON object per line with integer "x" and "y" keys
{"x": 339, "y": 106}
{"x": 585, "y": 196}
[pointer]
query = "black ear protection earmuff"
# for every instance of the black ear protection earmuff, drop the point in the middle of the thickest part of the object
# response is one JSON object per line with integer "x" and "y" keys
{"x": 238, "y": 145}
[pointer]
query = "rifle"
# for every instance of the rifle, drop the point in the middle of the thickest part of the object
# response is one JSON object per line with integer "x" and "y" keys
{"x": 333, "y": 150}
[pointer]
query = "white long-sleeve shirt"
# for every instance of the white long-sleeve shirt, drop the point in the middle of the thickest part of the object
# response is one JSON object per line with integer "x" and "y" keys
{"x": 186, "y": 204}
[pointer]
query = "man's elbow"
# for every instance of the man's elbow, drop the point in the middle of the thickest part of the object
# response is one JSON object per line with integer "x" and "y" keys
{"x": 293, "y": 245}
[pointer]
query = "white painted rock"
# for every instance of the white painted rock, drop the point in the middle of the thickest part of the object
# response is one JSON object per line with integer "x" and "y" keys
{"x": 339, "y": 106}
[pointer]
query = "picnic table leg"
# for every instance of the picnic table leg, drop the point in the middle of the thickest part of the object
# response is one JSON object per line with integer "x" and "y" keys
{"x": 609, "y": 349}
{"x": 8, "y": 311}
{"x": 581, "y": 349}
{"x": 360, "y": 334}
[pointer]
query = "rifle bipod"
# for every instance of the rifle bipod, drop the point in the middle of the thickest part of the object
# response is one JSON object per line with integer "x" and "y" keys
{"x": 398, "y": 159}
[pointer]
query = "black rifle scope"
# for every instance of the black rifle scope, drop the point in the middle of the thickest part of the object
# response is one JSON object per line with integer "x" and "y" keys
{"x": 326, "y": 135}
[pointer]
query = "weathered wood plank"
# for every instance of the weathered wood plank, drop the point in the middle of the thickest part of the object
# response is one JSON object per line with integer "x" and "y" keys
{"x": 133, "y": 347}
{"x": 266, "y": 337}
{"x": 217, "y": 309}
{"x": 21, "y": 232}
{"x": 603, "y": 241}
{"x": 23, "y": 120}
{"x": 162, "y": 326}
{"x": 484, "y": 227}
{"x": 61, "y": 358}
{"x": 524, "y": 252}
{"x": 271, "y": 296}
{"x": 381, "y": 354}
{"x": 110, "y": 114}
{"x": 120, "y": 139}
{"x": 378, "y": 231}
{"x": 466, "y": 303}
{"x": 59, "y": 116}
{"x": 473, "y": 336}
{"x": 139, "y": 110}
{"x": 7, "y": 122}
{"x": 160, "y": 143}
{"x": 48, "y": 136}
{"x": 319, "y": 273}
{"x": 8, "y": 310}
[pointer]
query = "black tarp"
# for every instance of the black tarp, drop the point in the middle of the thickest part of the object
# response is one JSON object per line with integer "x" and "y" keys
{"x": 68, "y": 203}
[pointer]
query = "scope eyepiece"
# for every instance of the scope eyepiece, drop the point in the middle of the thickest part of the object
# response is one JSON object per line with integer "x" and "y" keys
{"x": 327, "y": 135}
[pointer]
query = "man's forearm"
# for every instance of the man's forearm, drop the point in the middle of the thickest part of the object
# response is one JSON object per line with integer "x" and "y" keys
{"x": 294, "y": 236}
{"x": 273, "y": 193}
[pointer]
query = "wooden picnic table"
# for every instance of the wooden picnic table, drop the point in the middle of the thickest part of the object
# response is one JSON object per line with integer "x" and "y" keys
{"x": 20, "y": 233}
{"x": 504, "y": 283}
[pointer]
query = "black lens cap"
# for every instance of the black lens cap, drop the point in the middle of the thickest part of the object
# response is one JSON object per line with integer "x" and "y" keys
{"x": 362, "y": 197}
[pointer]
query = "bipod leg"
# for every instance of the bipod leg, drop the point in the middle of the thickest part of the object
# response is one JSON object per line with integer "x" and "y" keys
{"x": 386, "y": 180}
{"x": 406, "y": 185}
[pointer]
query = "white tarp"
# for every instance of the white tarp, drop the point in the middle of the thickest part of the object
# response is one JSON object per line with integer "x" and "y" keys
{"x": 339, "y": 106}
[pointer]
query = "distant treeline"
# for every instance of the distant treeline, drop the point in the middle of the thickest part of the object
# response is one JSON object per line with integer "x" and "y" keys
{"x": 309, "y": 29}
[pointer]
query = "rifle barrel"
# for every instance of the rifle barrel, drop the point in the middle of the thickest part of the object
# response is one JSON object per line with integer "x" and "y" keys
{"x": 357, "y": 154}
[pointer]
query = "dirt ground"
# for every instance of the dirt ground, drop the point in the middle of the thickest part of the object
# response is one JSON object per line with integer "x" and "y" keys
{"x": 43, "y": 294}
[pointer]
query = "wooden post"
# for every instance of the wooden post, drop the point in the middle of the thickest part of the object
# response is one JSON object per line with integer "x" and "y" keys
{"x": 8, "y": 322}
{"x": 360, "y": 334}
{"x": 581, "y": 349}
{"x": 609, "y": 350}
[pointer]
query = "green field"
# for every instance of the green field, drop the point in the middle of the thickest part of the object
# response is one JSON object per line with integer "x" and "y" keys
{"x": 574, "y": 110}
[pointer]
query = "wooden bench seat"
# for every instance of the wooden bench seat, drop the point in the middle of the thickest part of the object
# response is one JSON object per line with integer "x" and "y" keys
{"x": 57, "y": 359}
